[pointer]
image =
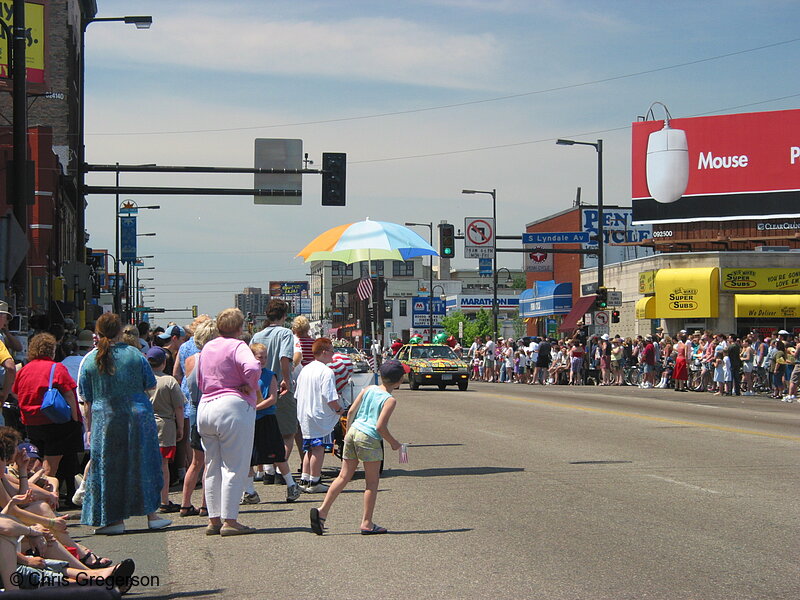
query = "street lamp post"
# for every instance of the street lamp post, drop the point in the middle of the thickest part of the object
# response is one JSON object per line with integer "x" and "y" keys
{"x": 117, "y": 302}
{"x": 598, "y": 146}
{"x": 493, "y": 194}
{"x": 141, "y": 22}
{"x": 430, "y": 276}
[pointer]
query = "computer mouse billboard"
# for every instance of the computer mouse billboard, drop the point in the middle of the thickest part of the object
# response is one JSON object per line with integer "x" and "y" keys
{"x": 725, "y": 167}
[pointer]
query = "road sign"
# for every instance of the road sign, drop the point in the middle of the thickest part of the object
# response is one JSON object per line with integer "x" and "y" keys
{"x": 478, "y": 232}
{"x": 485, "y": 267}
{"x": 563, "y": 237}
{"x": 614, "y": 298}
{"x": 478, "y": 252}
{"x": 601, "y": 318}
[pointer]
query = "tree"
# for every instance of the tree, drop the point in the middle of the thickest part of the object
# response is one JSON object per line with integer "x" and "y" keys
{"x": 480, "y": 325}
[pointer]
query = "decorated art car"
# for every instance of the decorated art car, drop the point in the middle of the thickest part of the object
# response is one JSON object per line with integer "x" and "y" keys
{"x": 433, "y": 364}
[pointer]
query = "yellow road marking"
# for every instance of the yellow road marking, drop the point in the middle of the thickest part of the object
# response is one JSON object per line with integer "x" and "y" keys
{"x": 618, "y": 413}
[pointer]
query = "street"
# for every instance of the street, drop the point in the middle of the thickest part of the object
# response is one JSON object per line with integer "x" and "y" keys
{"x": 514, "y": 491}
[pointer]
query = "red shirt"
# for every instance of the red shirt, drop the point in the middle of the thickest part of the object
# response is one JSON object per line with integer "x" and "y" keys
{"x": 649, "y": 354}
{"x": 31, "y": 384}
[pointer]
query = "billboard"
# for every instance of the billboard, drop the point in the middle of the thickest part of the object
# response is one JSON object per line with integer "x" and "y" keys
{"x": 419, "y": 311}
{"x": 740, "y": 166}
{"x": 294, "y": 292}
{"x": 618, "y": 228}
{"x": 35, "y": 34}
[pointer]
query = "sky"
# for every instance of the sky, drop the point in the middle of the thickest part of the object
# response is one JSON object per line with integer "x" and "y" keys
{"x": 426, "y": 98}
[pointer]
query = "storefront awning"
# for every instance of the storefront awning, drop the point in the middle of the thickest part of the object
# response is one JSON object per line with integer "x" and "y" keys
{"x": 687, "y": 293}
{"x": 546, "y": 298}
{"x": 766, "y": 306}
{"x": 646, "y": 308}
{"x": 580, "y": 308}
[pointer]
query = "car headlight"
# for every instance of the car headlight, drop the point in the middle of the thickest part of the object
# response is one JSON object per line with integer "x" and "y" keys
{"x": 426, "y": 370}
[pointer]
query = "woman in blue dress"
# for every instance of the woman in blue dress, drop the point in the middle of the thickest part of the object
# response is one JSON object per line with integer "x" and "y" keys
{"x": 125, "y": 476}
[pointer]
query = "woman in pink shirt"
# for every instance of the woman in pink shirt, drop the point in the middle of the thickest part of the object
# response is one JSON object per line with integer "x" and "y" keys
{"x": 227, "y": 375}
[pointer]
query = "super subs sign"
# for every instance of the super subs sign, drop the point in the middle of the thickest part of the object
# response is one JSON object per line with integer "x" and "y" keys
{"x": 742, "y": 166}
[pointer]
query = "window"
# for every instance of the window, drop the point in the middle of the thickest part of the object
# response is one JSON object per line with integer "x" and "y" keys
{"x": 377, "y": 268}
{"x": 403, "y": 269}
{"x": 339, "y": 269}
{"x": 402, "y": 308}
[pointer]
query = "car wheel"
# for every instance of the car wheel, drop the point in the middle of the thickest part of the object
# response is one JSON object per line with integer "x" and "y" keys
{"x": 442, "y": 386}
{"x": 412, "y": 382}
{"x": 462, "y": 385}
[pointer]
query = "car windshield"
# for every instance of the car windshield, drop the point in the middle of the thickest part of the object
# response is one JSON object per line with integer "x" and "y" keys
{"x": 432, "y": 352}
{"x": 347, "y": 350}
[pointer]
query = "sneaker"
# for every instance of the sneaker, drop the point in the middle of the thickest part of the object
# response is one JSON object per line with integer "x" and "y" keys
{"x": 259, "y": 476}
{"x": 77, "y": 498}
{"x": 789, "y": 399}
{"x": 303, "y": 484}
{"x": 317, "y": 488}
{"x": 293, "y": 492}
{"x": 250, "y": 498}
{"x": 269, "y": 478}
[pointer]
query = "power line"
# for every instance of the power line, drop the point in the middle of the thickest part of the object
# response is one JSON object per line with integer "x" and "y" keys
{"x": 462, "y": 104}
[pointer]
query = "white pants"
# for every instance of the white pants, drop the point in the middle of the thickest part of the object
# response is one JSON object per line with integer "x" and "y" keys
{"x": 226, "y": 427}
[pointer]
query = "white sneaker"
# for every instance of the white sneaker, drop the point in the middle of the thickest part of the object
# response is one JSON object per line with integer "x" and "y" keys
{"x": 77, "y": 497}
{"x": 789, "y": 399}
{"x": 318, "y": 488}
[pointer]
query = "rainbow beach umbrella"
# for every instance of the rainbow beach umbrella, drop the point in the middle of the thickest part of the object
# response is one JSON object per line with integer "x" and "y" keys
{"x": 367, "y": 240}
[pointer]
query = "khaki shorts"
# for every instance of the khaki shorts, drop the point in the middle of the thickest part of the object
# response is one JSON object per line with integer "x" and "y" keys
{"x": 795, "y": 377}
{"x": 360, "y": 446}
{"x": 286, "y": 414}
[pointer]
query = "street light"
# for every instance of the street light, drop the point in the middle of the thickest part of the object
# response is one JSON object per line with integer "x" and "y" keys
{"x": 598, "y": 146}
{"x": 140, "y": 22}
{"x": 430, "y": 276}
{"x": 118, "y": 214}
{"x": 493, "y": 194}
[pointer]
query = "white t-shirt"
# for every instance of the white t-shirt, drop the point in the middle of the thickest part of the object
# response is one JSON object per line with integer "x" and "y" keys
{"x": 489, "y": 349}
{"x": 533, "y": 351}
{"x": 316, "y": 386}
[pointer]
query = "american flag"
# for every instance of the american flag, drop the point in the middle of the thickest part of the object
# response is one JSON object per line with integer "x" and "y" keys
{"x": 364, "y": 289}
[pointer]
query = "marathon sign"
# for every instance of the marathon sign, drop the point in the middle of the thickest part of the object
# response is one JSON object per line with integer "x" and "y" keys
{"x": 474, "y": 303}
{"x": 741, "y": 166}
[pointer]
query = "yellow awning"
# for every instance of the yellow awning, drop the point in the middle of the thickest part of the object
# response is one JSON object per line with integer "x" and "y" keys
{"x": 646, "y": 308}
{"x": 686, "y": 293}
{"x": 766, "y": 306}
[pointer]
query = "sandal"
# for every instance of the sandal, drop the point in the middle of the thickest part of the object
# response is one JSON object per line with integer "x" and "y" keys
{"x": 92, "y": 561}
{"x": 374, "y": 531}
{"x": 122, "y": 575}
{"x": 317, "y": 522}
{"x": 203, "y": 511}
{"x": 189, "y": 511}
{"x": 170, "y": 507}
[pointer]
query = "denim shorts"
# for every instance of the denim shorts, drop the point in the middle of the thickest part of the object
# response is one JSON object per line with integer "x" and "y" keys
{"x": 360, "y": 446}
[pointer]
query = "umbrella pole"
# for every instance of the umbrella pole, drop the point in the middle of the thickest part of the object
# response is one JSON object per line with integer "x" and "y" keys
{"x": 372, "y": 319}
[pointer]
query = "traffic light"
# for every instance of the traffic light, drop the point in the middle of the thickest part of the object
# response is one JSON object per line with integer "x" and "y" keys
{"x": 334, "y": 176}
{"x": 447, "y": 240}
{"x": 615, "y": 316}
{"x": 601, "y": 300}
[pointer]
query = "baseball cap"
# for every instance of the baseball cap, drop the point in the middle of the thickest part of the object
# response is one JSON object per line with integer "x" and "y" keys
{"x": 393, "y": 369}
{"x": 604, "y": 336}
{"x": 156, "y": 354}
{"x": 85, "y": 339}
{"x": 30, "y": 449}
{"x": 172, "y": 330}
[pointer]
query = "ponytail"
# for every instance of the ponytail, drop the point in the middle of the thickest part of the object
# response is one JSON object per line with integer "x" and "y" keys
{"x": 107, "y": 328}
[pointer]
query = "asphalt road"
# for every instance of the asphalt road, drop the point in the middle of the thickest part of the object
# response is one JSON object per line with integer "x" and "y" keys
{"x": 526, "y": 492}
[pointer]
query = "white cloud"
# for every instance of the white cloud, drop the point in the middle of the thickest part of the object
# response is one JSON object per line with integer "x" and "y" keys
{"x": 368, "y": 49}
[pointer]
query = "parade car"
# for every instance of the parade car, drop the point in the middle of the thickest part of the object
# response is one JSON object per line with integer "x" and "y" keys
{"x": 433, "y": 364}
{"x": 360, "y": 364}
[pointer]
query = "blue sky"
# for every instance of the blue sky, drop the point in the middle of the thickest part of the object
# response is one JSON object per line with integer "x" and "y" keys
{"x": 471, "y": 93}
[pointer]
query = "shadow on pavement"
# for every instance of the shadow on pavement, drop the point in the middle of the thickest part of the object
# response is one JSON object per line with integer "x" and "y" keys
{"x": 194, "y": 594}
{"x": 449, "y": 471}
